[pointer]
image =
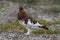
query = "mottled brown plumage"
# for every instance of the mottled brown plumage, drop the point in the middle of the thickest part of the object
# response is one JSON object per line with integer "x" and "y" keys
{"x": 21, "y": 14}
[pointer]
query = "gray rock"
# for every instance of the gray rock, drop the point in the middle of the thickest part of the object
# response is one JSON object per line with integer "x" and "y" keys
{"x": 12, "y": 35}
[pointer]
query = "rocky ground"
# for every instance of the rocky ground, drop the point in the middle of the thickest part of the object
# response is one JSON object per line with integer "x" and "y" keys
{"x": 13, "y": 35}
{"x": 8, "y": 13}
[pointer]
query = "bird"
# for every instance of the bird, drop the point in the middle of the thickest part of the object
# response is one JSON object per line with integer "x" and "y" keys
{"x": 26, "y": 21}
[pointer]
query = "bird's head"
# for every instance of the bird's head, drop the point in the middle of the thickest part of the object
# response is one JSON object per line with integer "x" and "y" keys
{"x": 21, "y": 7}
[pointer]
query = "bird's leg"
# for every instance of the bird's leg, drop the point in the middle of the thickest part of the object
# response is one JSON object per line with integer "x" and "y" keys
{"x": 28, "y": 31}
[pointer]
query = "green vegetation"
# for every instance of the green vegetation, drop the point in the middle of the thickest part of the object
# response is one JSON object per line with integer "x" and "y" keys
{"x": 42, "y": 31}
{"x": 57, "y": 22}
{"x": 17, "y": 27}
{"x": 45, "y": 22}
{"x": 13, "y": 26}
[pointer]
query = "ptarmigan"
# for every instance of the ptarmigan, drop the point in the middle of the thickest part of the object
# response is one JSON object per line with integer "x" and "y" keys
{"x": 26, "y": 21}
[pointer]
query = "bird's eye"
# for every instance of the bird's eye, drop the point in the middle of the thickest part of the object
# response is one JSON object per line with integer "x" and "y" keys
{"x": 21, "y": 8}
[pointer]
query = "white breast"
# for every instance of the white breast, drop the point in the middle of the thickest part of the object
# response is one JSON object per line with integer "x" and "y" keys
{"x": 37, "y": 24}
{"x": 29, "y": 22}
{"x": 22, "y": 22}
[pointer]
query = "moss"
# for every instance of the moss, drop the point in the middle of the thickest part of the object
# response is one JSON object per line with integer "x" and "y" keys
{"x": 57, "y": 22}
{"x": 13, "y": 26}
{"x": 42, "y": 31}
{"x": 17, "y": 27}
{"x": 45, "y": 22}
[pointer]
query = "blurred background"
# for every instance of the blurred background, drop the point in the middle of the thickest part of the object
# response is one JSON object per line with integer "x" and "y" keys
{"x": 39, "y": 9}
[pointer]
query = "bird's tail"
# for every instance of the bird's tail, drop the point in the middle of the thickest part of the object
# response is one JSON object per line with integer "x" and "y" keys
{"x": 45, "y": 27}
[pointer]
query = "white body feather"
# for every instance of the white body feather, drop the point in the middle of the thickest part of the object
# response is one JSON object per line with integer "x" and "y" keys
{"x": 29, "y": 25}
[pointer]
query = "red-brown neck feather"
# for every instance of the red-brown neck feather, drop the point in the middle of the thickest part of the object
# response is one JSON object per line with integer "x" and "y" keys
{"x": 22, "y": 14}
